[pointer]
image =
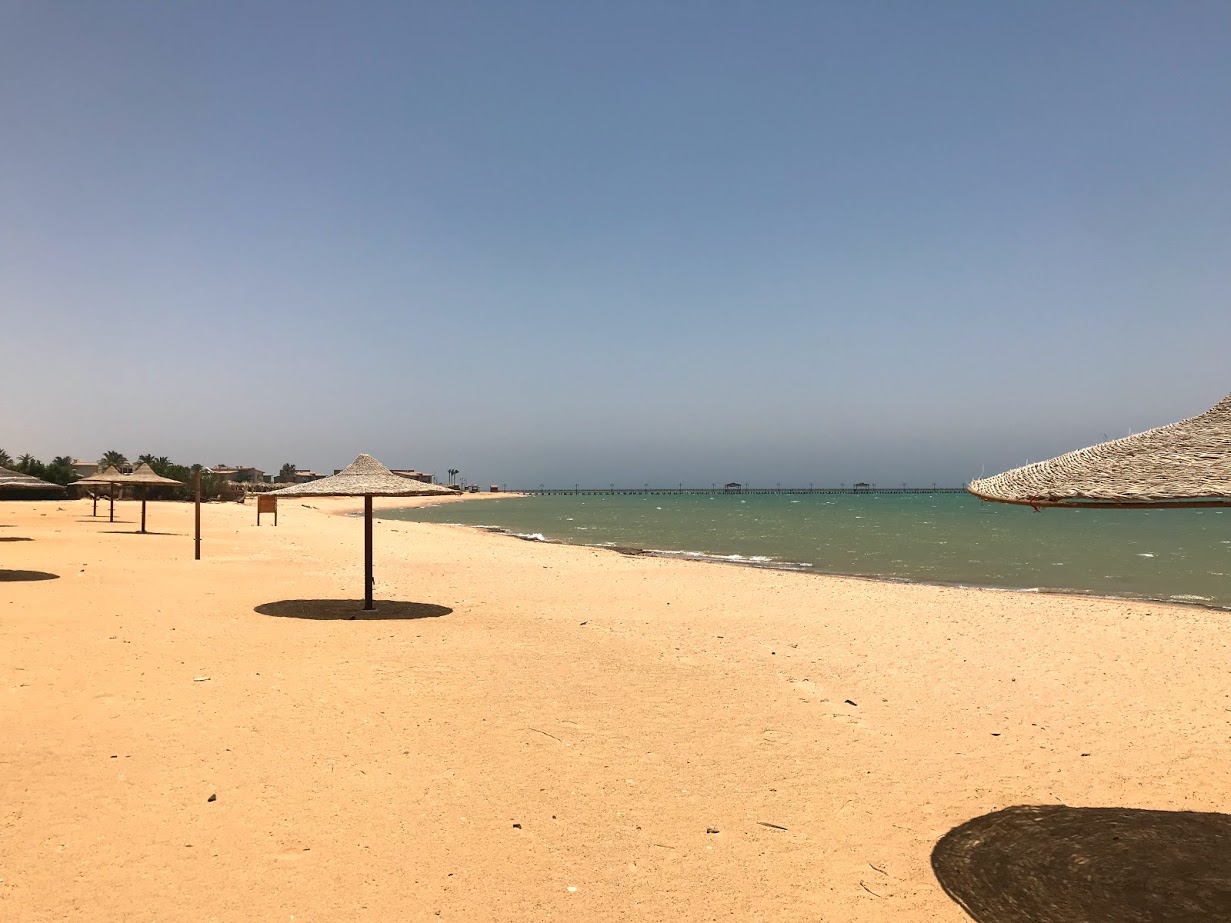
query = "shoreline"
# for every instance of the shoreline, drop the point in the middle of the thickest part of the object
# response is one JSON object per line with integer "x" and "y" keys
{"x": 700, "y": 557}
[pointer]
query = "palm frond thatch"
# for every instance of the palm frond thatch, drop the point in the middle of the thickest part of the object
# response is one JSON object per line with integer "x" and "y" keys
{"x": 1186, "y": 463}
{"x": 144, "y": 474}
{"x": 15, "y": 481}
{"x": 364, "y": 477}
{"x": 107, "y": 476}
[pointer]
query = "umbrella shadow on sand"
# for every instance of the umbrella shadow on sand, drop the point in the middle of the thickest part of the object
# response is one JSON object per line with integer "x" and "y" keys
{"x": 134, "y": 532}
{"x": 351, "y": 609}
{"x": 1056, "y": 864}
{"x": 19, "y": 576}
{"x": 15, "y": 538}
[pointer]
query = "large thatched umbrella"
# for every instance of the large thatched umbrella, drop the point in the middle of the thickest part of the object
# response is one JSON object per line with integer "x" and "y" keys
{"x": 364, "y": 477}
{"x": 16, "y": 483}
{"x": 1182, "y": 465}
{"x": 110, "y": 476}
{"x": 144, "y": 475}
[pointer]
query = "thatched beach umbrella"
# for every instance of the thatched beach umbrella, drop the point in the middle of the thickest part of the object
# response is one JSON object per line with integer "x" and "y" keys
{"x": 364, "y": 477}
{"x": 1182, "y": 465}
{"x": 14, "y": 482}
{"x": 144, "y": 475}
{"x": 110, "y": 476}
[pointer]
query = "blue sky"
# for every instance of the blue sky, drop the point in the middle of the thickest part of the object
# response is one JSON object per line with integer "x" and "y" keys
{"x": 619, "y": 242}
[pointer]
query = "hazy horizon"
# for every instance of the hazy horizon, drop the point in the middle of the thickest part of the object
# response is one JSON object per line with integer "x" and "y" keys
{"x": 647, "y": 242}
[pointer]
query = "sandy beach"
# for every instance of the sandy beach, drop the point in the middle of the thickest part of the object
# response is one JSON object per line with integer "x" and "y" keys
{"x": 530, "y": 732}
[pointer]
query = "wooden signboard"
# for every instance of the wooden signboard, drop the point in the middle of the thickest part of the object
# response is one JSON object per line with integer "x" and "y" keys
{"x": 266, "y": 504}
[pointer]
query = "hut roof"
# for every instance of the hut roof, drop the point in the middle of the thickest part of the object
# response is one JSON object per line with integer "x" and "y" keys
{"x": 364, "y": 477}
{"x": 109, "y": 476}
{"x": 144, "y": 474}
{"x": 1179, "y": 464}
{"x": 16, "y": 481}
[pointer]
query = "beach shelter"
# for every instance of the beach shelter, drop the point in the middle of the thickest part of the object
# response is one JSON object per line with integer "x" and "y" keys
{"x": 111, "y": 476}
{"x": 1178, "y": 466}
{"x": 364, "y": 477}
{"x": 144, "y": 475}
{"x": 15, "y": 484}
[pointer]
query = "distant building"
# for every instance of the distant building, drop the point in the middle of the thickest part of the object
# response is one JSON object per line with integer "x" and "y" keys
{"x": 415, "y": 475}
{"x": 303, "y": 477}
{"x": 862, "y": 485}
{"x": 734, "y": 485}
{"x": 242, "y": 474}
{"x": 84, "y": 468}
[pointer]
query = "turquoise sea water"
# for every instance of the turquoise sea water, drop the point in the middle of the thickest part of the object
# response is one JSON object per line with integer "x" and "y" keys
{"x": 1172, "y": 555}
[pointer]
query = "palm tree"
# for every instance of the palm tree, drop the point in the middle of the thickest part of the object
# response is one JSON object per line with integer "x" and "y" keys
{"x": 26, "y": 462}
{"x": 60, "y": 470}
{"x": 453, "y": 473}
{"x": 286, "y": 474}
{"x": 112, "y": 457}
{"x": 6, "y": 460}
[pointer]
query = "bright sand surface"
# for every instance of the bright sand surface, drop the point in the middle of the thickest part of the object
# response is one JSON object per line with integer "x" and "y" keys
{"x": 616, "y": 708}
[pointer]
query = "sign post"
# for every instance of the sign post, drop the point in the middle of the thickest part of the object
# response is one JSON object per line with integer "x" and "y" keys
{"x": 266, "y": 504}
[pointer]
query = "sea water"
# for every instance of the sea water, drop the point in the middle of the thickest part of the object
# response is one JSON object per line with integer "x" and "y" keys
{"x": 1172, "y": 555}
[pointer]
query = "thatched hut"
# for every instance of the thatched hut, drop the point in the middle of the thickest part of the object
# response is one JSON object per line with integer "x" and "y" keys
{"x": 17, "y": 486}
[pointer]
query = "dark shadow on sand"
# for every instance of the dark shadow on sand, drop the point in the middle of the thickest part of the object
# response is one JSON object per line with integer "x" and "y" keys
{"x": 1056, "y": 864}
{"x": 351, "y": 609}
{"x": 17, "y": 576}
{"x": 135, "y": 532}
{"x": 15, "y": 538}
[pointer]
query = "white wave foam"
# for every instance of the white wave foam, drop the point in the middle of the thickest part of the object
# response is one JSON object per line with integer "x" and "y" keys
{"x": 755, "y": 560}
{"x": 531, "y": 536}
{"x": 998, "y": 589}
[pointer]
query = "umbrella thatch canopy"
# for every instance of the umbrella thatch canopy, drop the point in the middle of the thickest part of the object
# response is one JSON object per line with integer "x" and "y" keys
{"x": 14, "y": 482}
{"x": 364, "y": 477}
{"x": 144, "y": 475}
{"x": 110, "y": 475}
{"x": 1185, "y": 464}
